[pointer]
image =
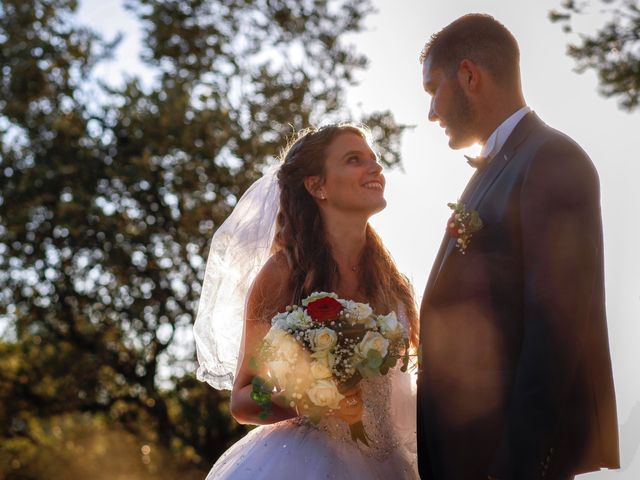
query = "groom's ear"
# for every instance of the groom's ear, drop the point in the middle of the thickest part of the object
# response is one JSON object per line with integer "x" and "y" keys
{"x": 469, "y": 75}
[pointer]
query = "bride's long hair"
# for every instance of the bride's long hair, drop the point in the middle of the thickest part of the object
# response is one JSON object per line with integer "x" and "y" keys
{"x": 300, "y": 233}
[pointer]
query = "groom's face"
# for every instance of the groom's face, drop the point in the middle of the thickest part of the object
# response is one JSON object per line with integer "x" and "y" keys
{"x": 449, "y": 106}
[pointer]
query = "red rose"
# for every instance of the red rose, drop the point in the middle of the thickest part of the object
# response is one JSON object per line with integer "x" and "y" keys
{"x": 451, "y": 227}
{"x": 324, "y": 309}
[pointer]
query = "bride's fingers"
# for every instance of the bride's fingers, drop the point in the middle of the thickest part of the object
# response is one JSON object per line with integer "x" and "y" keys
{"x": 351, "y": 407}
{"x": 353, "y": 417}
{"x": 350, "y": 401}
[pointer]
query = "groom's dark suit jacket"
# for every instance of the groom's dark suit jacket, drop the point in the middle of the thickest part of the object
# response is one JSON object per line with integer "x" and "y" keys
{"x": 516, "y": 379}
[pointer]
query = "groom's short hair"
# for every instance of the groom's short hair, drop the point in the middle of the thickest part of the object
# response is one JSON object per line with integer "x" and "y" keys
{"x": 480, "y": 38}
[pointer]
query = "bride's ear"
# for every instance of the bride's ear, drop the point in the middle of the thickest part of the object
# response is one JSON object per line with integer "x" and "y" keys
{"x": 314, "y": 185}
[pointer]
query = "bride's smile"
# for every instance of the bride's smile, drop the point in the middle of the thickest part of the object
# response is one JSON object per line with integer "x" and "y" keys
{"x": 353, "y": 179}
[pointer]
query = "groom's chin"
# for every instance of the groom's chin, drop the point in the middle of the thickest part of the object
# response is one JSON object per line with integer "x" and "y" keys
{"x": 453, "y": 145}
{"x": 457, "y": 142}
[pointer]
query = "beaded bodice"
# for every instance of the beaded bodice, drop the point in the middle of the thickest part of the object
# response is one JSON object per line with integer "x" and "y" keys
{"x": 376, "y": 417}
{"x": 379, "y": 419}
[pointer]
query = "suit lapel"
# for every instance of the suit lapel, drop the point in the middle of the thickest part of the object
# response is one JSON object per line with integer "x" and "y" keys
{"x": 475, "y": 191}
{"x": 502, "y": 159}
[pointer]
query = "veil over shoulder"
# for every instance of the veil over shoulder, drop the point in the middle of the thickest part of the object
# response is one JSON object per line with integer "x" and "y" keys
{"x": 289, "y": 448}
{"x": 239, "y": 249}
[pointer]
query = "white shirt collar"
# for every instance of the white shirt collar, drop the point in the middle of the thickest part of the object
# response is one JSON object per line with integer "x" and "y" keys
{"x": 499, "y": 136}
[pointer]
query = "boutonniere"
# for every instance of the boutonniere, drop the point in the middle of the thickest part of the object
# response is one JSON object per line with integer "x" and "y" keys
{"x": 463, "y": 224}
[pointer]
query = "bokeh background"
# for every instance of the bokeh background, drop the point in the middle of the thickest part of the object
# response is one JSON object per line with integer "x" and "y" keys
{"x": 128, "y": 130}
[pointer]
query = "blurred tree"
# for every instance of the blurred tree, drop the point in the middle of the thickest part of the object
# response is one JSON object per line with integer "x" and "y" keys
{"x": 109, "y": 196}
{"x": 613, "y": 51}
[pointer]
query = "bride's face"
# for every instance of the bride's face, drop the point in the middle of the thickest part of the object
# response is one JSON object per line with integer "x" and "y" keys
{"x": 353, "y": 179}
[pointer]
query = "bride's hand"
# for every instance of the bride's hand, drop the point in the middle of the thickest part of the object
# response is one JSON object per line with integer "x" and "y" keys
{"x": 350, "y": 406}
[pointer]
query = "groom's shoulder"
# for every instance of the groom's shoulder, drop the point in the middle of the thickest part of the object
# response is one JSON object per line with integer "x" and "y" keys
{"x": 549, "y": 144}
{"x": 554, "y": 154}
{"x": 548, "y": 139}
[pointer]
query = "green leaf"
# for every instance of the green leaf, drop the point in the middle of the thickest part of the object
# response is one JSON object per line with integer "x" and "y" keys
{"x": 374, "y": 360}
{"x": 405, "y": 361}
{"x": 314, "y": 416}
{"x": 389, "y": 362}
{"x": 476, "y": 222}
{"x": 263, "y": 415}
{"x": 367, "y": 372}
{"x": 258, "y": 382}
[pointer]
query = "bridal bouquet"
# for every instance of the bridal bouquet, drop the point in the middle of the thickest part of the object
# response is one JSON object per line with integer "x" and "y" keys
{"x": 316, "y": 351}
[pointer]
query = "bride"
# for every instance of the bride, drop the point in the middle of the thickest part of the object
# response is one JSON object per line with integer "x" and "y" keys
{"x": 314, "y": 237}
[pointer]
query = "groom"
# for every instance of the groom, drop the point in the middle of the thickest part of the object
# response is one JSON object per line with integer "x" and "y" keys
{"x": 515, "y": 380}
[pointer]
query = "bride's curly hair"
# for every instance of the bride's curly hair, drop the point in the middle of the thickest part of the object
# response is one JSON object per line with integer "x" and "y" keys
{"x": 300, "y": 233}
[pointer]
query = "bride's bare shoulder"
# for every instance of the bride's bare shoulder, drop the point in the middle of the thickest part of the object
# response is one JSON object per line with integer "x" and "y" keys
{"x": 271, "y": 289}
{"x": 276, "y": 272}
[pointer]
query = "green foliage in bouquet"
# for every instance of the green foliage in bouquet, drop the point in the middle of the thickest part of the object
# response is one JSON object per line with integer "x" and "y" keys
{"x": 261, "y": 394}
{"x": 317, "y": 351}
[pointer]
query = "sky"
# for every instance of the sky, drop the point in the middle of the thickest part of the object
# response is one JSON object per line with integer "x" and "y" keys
{"x": 413, "y": 223}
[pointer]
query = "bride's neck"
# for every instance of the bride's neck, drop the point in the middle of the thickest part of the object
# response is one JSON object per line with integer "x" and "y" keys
{"x": 347, "y": 237}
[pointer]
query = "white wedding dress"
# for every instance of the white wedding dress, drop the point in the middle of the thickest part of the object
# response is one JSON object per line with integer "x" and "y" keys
{"x": 291, "y": 449}
{"x": 296, "y": 448}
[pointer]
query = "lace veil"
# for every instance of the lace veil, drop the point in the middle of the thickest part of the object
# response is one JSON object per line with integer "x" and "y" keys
{"x": 239, "y": 249}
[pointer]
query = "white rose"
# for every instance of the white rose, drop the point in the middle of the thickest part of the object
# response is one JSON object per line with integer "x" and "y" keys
{"x": 283, "y": 343}
{"x": 299, "y": 319}
{"x": 273, "y": 335}
{"x": 281, "y": 323}
{"x": 289, "y": 349}
{"x": 302, "y": 372}
{"x": 280, "y": 371}
{"x": 359, "y": 313}
{"x": 372, "y": 341}
{"x": 322, "y": 338}
{"x": 316, "y": 296}
{"x": 320, "y": 369}
{"x": 294, "y": 320}
{"x": 325, "y": 356}
{"x": 390, "y": 326}
{"x": 279, "y": 319}
{"x": 324, "y": 393}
